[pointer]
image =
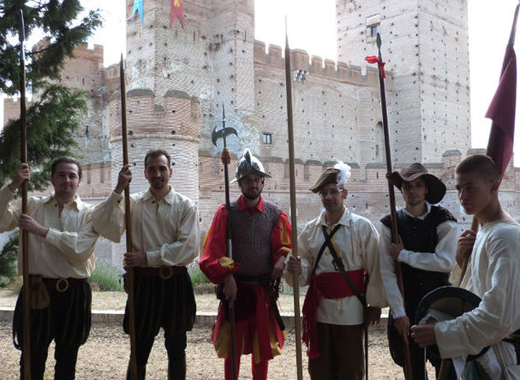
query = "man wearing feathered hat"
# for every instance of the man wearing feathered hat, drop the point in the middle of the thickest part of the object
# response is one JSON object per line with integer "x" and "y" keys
{"x": 261, "y": 239}
{"x": 336, "y": 252}
{"x": 491, "y": 274}
{"x": 426, "y": 253}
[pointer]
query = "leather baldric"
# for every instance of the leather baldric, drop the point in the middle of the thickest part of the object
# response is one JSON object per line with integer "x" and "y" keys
{"x": 339, "y": 264}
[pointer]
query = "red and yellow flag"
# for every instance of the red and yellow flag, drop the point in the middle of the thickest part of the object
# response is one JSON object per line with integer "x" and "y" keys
{"x": 176, "y": 11}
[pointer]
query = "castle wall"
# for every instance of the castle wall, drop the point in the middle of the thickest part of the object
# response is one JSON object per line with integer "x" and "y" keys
{"x": 84, "y": 72}
{"x": 11, "y": 109}
{"x": 367, "y": 197}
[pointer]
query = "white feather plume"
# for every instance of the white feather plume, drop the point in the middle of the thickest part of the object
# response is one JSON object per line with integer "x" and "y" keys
{"x": 344, "y": 172}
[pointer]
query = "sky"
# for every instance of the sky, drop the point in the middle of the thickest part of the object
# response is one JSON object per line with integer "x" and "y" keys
{"x": 313, "y": 28}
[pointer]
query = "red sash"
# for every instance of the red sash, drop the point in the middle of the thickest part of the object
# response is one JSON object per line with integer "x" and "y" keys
{"x": 329, "y": 285}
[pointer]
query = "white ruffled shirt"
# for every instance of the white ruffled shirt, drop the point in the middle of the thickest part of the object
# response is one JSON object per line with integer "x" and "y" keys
{"x": 357, "y": 243}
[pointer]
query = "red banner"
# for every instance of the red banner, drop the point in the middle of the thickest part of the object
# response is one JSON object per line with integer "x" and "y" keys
{"x": 176, "y": 11}
{"x": 502, "y": 109}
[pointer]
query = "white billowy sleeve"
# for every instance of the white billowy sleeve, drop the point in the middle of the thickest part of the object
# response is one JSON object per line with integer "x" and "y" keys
{"x": 443, "y": 259}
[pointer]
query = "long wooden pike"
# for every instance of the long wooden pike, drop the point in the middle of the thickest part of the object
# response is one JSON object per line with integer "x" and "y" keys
{"x": 391, "y": 193}
{"x": 294, "y": 223}
{"x": 225, "y": 157}
{"x": 26, "y": 347}
{"x": 128, "y": 227}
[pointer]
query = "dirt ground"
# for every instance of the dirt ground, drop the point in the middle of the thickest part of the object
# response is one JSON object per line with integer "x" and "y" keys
{"x": 106, "y": 352}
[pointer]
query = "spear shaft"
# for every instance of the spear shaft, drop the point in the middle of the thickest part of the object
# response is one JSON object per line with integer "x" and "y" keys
{"x": 225, "y": 157}
{"x": 292, "y": 182}
{"x": 26, "y": 347}
{"x": 391, "y": 196}
{"x": 128, "y": 228}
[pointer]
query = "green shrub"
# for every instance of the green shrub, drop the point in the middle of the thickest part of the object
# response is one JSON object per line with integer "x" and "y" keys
{"x": 8, "y": 260}
{"x": 196, "y": 275}
{"x": 105, "y": 277}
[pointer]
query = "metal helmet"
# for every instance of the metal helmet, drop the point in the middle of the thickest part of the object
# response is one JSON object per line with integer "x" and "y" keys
{"x": 249, "y": 164}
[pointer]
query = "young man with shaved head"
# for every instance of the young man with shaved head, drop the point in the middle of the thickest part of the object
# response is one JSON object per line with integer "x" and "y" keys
{"x": 492, "y": 274}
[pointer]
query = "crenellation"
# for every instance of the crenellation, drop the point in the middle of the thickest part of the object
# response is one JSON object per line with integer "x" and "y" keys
{"x": 336, "y": 71}
{"x": 274, "y": 56}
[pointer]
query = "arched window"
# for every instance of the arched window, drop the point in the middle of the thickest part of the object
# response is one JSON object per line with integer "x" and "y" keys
{"x": 379, "y": 143}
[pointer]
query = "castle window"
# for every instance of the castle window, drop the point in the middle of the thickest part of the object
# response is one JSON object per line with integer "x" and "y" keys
{"x": 379, "y": 140}
{"x": 89, "y": 173}
{"x": 306, "y": 172}
{"x": 102, "y": 173}
{"x": 372, "y": 24}
{"x": 267, "y": 138}
{"x": 373, "y": 31}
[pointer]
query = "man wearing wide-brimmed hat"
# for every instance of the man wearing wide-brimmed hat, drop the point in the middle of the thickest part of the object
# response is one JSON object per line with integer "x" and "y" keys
{"x": 426, "y": 253}
{"x": 261, "y": 239}
{"x": 336, "y": 252}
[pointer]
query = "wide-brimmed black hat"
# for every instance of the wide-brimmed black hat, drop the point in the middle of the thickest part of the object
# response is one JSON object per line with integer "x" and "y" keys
{"x": 449, "y": 300}
{"x": 436, "y": 189}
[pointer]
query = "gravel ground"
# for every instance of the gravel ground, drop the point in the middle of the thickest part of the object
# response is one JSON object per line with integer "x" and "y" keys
{"x": 106, "y": 352}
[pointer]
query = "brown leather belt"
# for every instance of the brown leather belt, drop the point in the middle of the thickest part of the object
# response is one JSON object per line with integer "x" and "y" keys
{"x": 164, "y": 272}
{"x": 62, "y": 284}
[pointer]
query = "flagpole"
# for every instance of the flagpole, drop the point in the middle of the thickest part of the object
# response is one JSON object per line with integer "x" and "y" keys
{"x": 391, "y": 194}
{"x": 294, "y": 223}
{"x": 128, "y": 228}
{"x": 26, "y": 347}
{"x": 501, "y": 136}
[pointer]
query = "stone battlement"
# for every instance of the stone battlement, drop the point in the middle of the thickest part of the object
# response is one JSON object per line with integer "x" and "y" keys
{"x": 317, "y": 66}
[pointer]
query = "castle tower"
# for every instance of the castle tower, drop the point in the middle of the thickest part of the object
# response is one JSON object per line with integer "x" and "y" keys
{"x": 425, "y": 46}
{"x": 160, "y": 111}
{"x": 210, "y": 57}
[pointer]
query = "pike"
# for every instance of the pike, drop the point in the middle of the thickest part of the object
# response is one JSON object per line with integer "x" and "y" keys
{"x": 391, "y": 195}
{"x": 225, "y": 157}
{"x": 26, "y": 348}
{"x": 128, "y": 228}
{"x": 292, "y": 182}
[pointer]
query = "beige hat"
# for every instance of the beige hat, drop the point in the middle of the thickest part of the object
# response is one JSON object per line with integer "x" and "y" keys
{"x": 436, "y": 189}
{"x": 330, "y": 175}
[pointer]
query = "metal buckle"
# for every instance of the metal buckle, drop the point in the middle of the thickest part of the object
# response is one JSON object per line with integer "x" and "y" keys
{"x": 165, "y": 272}
{"x": 62, "y": 285}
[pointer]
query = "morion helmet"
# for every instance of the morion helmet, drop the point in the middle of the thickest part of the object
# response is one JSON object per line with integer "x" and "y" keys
{"x": 249, "y": 164}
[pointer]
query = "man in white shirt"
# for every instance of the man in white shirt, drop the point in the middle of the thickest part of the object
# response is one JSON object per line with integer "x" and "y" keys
{"x": 426, "y": 253}
{"x": 165, "y": 235}
{"x": 334, "y": 316}
{"x": 61, "y": 245}
{"x": 492, "y": 274}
